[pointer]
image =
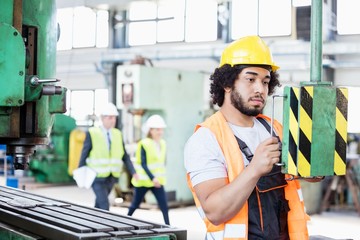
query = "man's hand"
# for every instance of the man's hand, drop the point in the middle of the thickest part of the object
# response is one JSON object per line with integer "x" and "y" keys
{"x": 266, "y": 155}
{"x": 156, "y": 182}
{"x": 135, "y": 176}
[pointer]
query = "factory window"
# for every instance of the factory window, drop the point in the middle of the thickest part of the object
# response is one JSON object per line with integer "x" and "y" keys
{"x": 347, "y": 15}
{"x": 82, "y": 107}
{"x": 162, "y": 22}
{"x": 261, "y": 17}
{"x": 301, "y": 3}
{"x": 101, "y": 99}
{"x": 171, "y": 28}
{"x": 86, "y": 104}
{"x": 65, "y": 20}
{"x": 73, "y": 34}
{"x": 201, "y": 21}
{"x": 142, "y": 26}
{"x": 102, "y": 28}
{"x": 353, "y": 110}
{"x": 84, "y": 36}
{"x": 166, "y": 21}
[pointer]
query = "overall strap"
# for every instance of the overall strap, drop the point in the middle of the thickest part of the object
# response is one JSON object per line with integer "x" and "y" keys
{"x": 244, "y": 148}
{"x": 266, "y": 124}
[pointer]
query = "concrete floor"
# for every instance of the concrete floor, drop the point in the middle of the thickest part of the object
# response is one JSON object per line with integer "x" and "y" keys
{"x": 336, "y": 224}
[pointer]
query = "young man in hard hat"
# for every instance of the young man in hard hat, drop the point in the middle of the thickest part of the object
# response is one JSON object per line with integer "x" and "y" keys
{"x": 104, "y": 151}
{"x": 231, "y": 158}
{"x": 150, "y": 166}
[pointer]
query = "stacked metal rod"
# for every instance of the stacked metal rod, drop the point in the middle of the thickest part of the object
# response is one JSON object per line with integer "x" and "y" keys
{"x": 29, "y": 216}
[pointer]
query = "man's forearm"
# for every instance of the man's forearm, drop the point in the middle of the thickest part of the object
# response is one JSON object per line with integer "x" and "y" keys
{"x": 223, "y": 203}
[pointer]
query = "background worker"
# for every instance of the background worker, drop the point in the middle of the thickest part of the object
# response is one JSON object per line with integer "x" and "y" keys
{"x": 150, "y": 166}
{"x": 239, "y": 191}
{"x": 104, "y": 151}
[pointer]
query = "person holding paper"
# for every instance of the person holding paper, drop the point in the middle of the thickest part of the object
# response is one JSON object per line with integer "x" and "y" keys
{"x": 104, "y": 151}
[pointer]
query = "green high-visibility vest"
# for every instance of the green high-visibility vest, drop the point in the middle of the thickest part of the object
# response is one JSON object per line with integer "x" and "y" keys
{"x": 103, "y": 160}
{"x": 154, "y": 161}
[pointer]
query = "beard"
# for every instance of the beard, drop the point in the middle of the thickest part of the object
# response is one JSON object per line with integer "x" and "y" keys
{"x": 238, "y": 102}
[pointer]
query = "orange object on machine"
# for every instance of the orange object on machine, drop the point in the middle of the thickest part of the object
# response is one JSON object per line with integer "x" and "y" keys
{"x": 76, "y": 142}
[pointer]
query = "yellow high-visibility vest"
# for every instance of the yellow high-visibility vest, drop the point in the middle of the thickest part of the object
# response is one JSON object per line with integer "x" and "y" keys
{"x": 103, "y": 160}
{"x": 155, "y": 162}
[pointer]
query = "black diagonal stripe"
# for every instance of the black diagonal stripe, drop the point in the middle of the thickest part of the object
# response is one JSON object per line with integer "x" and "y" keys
{"x": 294, "y": 108}
{"x": 305, "y": 146}
{"x": 341, "y": 102}
{"x": 340, "y": 146}
{"x": 294, "y": 104}
{"x": 293, "y": 148}
{"x": 306, "y": 101}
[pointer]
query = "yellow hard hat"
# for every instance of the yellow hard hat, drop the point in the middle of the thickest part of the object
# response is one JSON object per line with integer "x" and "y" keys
{"x": 248, "y": 50}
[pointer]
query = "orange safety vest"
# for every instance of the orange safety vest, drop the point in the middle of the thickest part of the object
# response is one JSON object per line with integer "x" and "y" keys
{"x": 237, "y": 227}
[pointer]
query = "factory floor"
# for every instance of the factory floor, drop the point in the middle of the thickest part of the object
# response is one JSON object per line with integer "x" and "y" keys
{"x": 338, "y": 223}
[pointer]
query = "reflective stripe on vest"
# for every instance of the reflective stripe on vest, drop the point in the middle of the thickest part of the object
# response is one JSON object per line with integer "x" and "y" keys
{"x": 154, "y": 161}
{"x": 103, "y": 161}
{"x": 233, "y": 231}
{"x": 296, "y": 216}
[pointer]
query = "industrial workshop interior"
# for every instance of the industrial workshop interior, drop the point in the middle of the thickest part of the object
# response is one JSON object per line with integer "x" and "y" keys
{"x": 62, "y": 62}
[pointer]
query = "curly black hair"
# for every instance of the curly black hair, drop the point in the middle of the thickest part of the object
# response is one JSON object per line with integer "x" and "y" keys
{"x": 226, "y": 75}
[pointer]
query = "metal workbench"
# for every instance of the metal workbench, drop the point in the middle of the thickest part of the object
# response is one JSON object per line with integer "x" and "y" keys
{"x": 39, "y": 217}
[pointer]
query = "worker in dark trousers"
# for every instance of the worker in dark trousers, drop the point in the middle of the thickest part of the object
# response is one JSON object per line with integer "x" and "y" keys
{"x": 232, "y": 160}
{"x": 150, "y": 166}
{"x": 104, "y": 152}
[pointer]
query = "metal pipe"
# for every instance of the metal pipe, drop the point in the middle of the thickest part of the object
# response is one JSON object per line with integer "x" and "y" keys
{"x": 272, "y": 123}
{"x": 273, "y": 113}
{"x": 316, "y": 41}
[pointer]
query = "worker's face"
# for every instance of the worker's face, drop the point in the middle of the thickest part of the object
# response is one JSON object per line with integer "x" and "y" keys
{"x": 156, "y": 133}
{"x": 108, "y": 121}
{"x": 250, "y": 90}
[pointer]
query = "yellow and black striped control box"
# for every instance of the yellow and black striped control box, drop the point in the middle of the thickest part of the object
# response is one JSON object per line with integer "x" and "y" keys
{"x": 315, "y": 131}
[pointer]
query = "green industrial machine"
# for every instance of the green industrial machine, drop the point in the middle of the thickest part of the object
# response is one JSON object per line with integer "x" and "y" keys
{"x": 315, "y": 118}
{"x": 30, "y": 97}
{"x": 49, "y": 164}
{"x": 179, "y": 97}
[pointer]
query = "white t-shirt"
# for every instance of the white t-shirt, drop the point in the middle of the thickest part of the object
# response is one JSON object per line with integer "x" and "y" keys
{"x": 203, "y": 157}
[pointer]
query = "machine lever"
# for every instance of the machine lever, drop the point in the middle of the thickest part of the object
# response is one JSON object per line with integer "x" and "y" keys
{"x": 272, "y": 123}
{"x": 34, "y": 80}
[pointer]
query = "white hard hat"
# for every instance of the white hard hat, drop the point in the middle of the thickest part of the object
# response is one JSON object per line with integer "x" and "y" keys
{"x": 154, "y": 121}
{"x": 109, "y": 110}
